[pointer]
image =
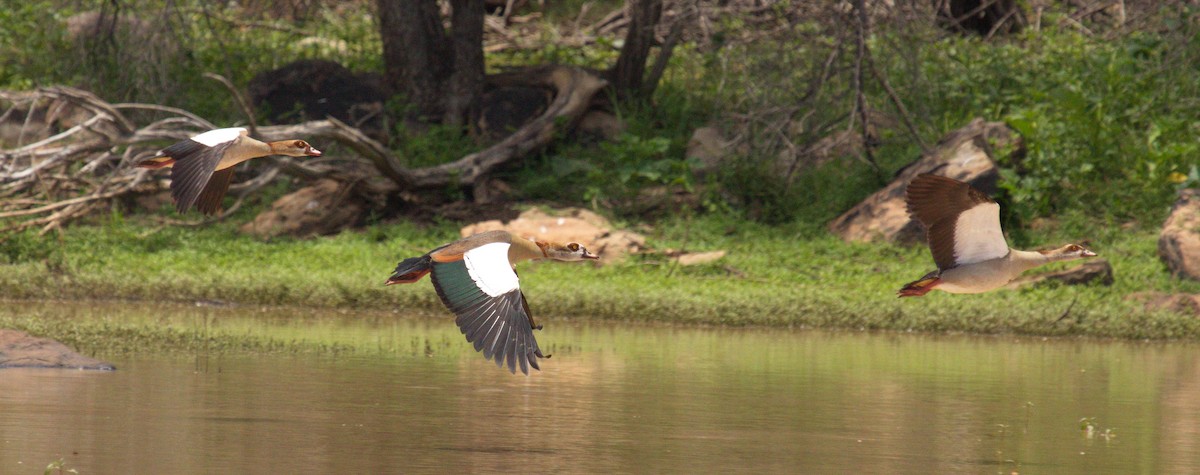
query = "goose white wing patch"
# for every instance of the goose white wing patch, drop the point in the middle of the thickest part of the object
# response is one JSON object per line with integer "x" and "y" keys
{"x": 977, "y": 235}
{"x": 489, "y": 267}
{"x": 219, "y": 136}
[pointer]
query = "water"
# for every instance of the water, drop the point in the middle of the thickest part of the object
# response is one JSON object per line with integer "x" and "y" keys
{"x": 615, "y": 397}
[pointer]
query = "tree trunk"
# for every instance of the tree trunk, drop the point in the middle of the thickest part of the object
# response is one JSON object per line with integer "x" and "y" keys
{"x": 627, "y": 75}
{"x": 416, "y": 54}
{"x": 466, "y": 82}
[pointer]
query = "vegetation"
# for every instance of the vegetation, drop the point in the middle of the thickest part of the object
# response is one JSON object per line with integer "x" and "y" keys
{"x": 773, "y": 276}
{"x": 1109, "y": 122}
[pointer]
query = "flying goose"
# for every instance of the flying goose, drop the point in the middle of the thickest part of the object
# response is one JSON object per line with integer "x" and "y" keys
{"x": 202, "y": 166}
{"x": 475, "y": 279}
{"x": 963, "y": 230}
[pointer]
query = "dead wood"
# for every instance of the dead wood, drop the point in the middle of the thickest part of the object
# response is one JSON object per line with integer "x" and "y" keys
{"x": 68, "y": 175}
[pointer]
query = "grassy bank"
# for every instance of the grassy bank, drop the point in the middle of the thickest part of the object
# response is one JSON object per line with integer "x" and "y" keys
{"x": 1108, "y": 124}
{"x": 772, "y": 276}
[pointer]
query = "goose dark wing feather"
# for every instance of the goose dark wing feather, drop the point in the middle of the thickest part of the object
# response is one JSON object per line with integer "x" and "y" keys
{"x": 194, "y": 166}
{"x": 933, "y": 198}
{"x": 496, "y": 326}
{"x": 521, "y": 349}
{"x": 184, "y": 149}
{"x": 210, "y": 199}
{"x": 938, "y": 202}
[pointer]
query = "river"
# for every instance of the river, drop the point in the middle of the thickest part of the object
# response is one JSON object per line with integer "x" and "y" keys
{"x": 404, "y": 394}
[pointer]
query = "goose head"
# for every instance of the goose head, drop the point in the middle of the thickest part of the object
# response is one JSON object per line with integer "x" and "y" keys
{"x": 571, "y": 251}
{"x": 1068, "y": 253}
{"x": 294, "y": 148}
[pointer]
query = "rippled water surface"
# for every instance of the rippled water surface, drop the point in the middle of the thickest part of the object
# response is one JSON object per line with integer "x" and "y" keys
{"x": 411, "y": 397}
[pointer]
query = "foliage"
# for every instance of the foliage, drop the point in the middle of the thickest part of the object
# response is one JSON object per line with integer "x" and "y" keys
{"x": 615, "y": 172}
{"x": 27, "y": 46}
{"x": 1105, "y": 123}
{"x": 158, "y": 55}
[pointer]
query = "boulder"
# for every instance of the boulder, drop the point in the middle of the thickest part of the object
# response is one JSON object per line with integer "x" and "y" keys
{"x": 697, "y": 258}
{"x": 1179, "y": 241}
{"x": 1095, "y": 270}
{"x": 22, "y": 350}
{"x": 568, "y": 225}
{"x": 323, "y": 208}
{"x": 708, "y": 149}
{"x": 1187, "y": 304}
{"x": 968, "y": 154}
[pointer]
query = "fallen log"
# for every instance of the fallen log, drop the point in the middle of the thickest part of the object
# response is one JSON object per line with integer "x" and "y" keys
{"x": 67, "y": 175}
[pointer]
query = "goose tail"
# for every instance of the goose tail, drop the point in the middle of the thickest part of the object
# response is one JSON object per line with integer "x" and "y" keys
{"x": 410, "y": 270}
{"x": 920, "y": 287}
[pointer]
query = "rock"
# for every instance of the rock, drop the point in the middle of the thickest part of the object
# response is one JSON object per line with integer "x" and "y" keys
{"x": 568, "y": 225}
{"x": 22, "y": 350}
{"x": 324, "y": 208}
{"x": 1094, "y": 270}
{"x": 311, "y": 89}
{"x": 696, "y": 258}
{"x": 708, "y": 148}
{"x": 966, "y": 154}
{"x": 1186, "y": 304}
{"x": 1179, "y": 241}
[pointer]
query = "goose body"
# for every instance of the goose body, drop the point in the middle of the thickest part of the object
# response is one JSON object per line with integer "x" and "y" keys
{"x": 963, "y": 232}
{"x": 202, "y": 166}
{"x": 475, "y": 279}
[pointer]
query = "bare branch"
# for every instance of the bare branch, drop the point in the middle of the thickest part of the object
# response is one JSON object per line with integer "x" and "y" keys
{"x": 241, "y": 101}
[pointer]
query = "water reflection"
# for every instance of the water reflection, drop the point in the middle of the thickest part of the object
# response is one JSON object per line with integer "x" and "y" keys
{"x": 613, "y": 398}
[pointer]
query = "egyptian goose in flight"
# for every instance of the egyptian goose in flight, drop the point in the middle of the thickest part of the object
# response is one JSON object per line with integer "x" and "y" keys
{"x": 963, "y": 229}
{"x": 475, "y": 279}
{"x": 202, "y": 166}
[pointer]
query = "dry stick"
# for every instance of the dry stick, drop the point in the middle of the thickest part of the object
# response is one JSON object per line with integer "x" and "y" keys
{"x": 1067, "y": 312}
{"x": 25, "y": 125}
{"x": 583, "y": 10}
{"x": 91, "y": 102}
{"x": 1075, "y": 23}
{"x": 860, "y": 100}
{"x": 241, "y": 101}
{"x": 508, "y": 6}
{"x": 895, "y": 99}
{"x": 999, "y": 24}
{"x": 64, "y": 134}
{"x": 61, "y": 204}
{"x": 174, "y": 110}
{"x": 1092, "y": 8}
{"x": 826, "y": 72}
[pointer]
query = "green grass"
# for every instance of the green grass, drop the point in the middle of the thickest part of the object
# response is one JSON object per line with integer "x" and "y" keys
{"x": 783, "y": 277}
